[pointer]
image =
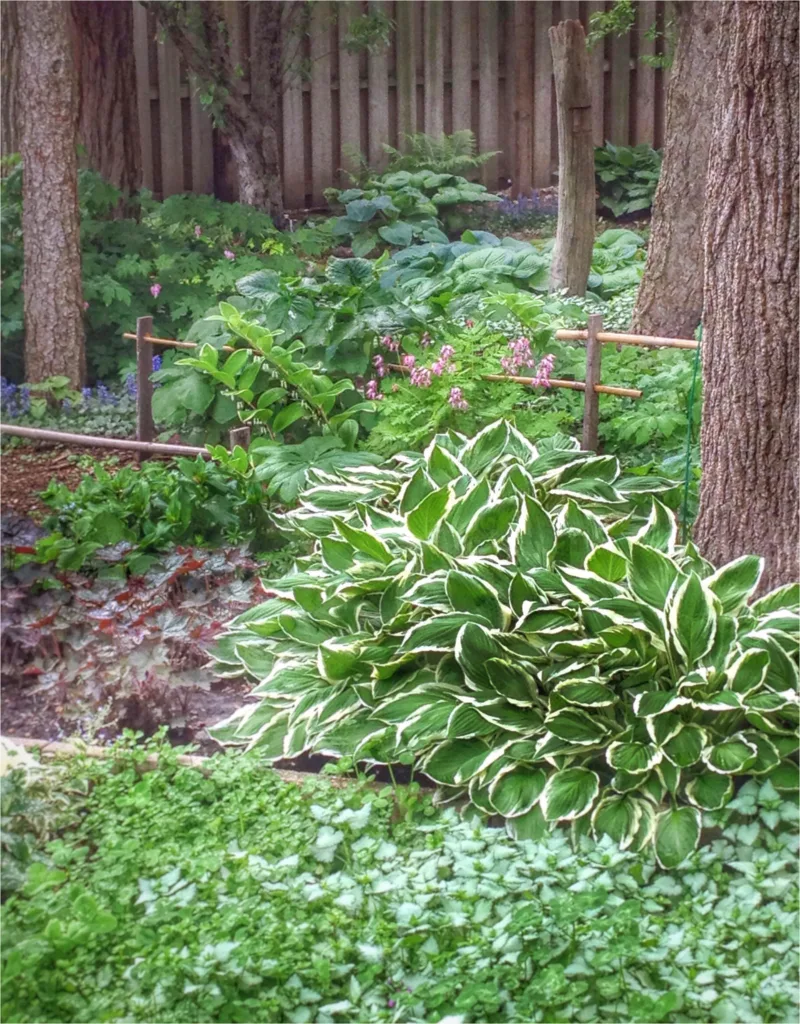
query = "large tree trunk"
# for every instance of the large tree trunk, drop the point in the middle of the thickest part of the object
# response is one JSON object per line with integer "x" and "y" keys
{"x": 9, "y": 78}
{"x": 751, "y": 234}
{"x": 54, "y": 342}
{"x": 670, "y": 300}
{"x": 200, "y": 33}
{"x": 108, "y": 125}
{"x": 572, "y": 254}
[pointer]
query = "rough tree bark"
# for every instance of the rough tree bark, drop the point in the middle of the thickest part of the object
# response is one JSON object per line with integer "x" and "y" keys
{"x": 572, "y": 254}
{"x": 53, "y": 304}
{"x": 751, "y": 234}
{"x": 670, "y": 299}
{"x": 9, "y": 78}
{"x": 108, "y": 119}
{"x": 200, "y": 33}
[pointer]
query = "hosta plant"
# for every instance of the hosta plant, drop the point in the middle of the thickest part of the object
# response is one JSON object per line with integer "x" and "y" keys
{"x": 519, "y": 622}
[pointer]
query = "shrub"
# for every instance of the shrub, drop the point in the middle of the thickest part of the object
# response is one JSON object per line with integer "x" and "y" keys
{"x": 519, "y": 622}
{"x": 627, "y": 177}
{"x": 231, "y": 895}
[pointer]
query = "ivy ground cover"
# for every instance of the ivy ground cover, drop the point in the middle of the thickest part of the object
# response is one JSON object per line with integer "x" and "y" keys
{"x": 520, "y": 622}
{"x": 172, "y": 896}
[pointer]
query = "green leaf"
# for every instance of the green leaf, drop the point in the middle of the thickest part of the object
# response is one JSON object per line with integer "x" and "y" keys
{"x": 633, "y": 758}
{"x": 607, "y": 562}
{"x": 686, "y": 748}
{"x": 474, "y": 647}
{"x": 731, "y": 757}
{"x": 368, "y": 543}
{"x": 486, "y": 447}
{"x": 398, "y": 233}
{"x": 467, "y": 593}
{"x": 677, "y": 835}
{"x": 107, "y": 529}
{"x": 618, "y": 817}
{"x": 709, "y": 792}
{"x": 650, "y": 575}
{"x": 516, "y": 792}
{"x": 569, "y": 794}
{"x": 533, "y": 538}
{"x": 576, "y": 726}
{"x": 490, "y": 524}
{"x": 435, "y": 634}
{"x": 287, "y": 416}
{"x": 748, "y": 672}
{"x": 450, "y": 757}
{"x": 661, "y": 529}
{"x": 734, "y": 583}
{"x": 692, "y": 619}
{"x": 588, "y": 693}
{"x": 423, "y": 519}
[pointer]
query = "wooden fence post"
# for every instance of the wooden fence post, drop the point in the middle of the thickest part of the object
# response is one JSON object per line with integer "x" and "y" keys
{"x": 240, "y": 436}
{"x": 591, "y": 399}
{"x": 145, "y": 429}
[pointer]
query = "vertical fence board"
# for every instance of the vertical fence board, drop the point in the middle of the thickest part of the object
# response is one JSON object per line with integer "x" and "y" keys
{"x": 620, "y": 88}
{"x": 378, "y": 104}
{"x": 570, "y": 10}
{"x": 434, "y": 68}
{"x": 349, "y": 93}
{"x": 321, "y": 129}
{"x": 406, "y": 72}
{"x": 597, "y": 77}
{"x": 294, "y": 150}
{"x": 461, "y": 12}
{"x": 522, "y": 98}
{"x": 202, "y": 143}
{"x": 542, "y": 95}
{"x": 488, "y": 85}
{"x": 645, "y": 75}
{"x": 141, "y": 50}
{"x": 169, "y": 115}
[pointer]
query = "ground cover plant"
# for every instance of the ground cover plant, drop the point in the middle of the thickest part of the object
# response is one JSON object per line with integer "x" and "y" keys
{"x": 520, "y": 623}
{"x": 230, "y": 895}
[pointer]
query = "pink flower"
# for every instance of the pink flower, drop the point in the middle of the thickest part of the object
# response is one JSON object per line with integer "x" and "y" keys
{"x": 520, "y": 356}
{"x": 371, "y": 391}
{"x": 86, "y": 305}
{"x": 197, "y": 231}
{"x": 421, "y": 377}
{"x": 409, "y": 361}
{"x": 438, "y": 367}
{"x": 229, "y": 255}
{"x": 542, "y": 378}
{"x": 155, "y": 290}
{"x": 447, "y": 353}
{"x": 389, "y": 343}
{"x": 426, "y": 341}
{"x": 457, "y": 399}
{"x": 380, "y": 368}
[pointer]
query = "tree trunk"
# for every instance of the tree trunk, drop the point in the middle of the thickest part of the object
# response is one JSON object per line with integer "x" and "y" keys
{"x": 108, "y": 124}
{"x": 572, "y": 254}
{"x": 751, "y": 234}
{"x": 54, "y": 342}
{"x": 670, "y": 299}
{"x": 200, "y": 33}
{"x": 9, "y": 78}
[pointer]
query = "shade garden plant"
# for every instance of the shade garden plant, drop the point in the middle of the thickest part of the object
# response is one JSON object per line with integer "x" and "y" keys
{"x": 519, "y": 622}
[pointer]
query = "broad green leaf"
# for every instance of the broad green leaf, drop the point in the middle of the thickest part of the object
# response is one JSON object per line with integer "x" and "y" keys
{"x": 528, "y": 826}
{"x": 515, "y": 793}
{"x": 677, "y": 834}
{"x": 491, "y": 523}
{"x": 692, "y": 619}
{"x": 767, "y": 757}
{"x": 748, "y": 672}
{"x": 287, "y": 416}
{"x": 336, "y": 658}
{"x": 618, "y": 817}
{"x": 577, "y": 518}
{"x": 650, "y": 575}
{"x": 572, "y": 547}
{"x": 686, "y": 748}
{"x": 423, "y": 519}
{"x": 734, "y": 583}
{"x": 417, "y": 487}
{"x": 661, "y": 529}
{"x": 486, "y": 447}
{"x": 446, "y": 760}
{"x": 365, "y": 542}
{"x": 787, "y": 596}
{"x": 607, "y": 562}
{"x": 633, "y": 758}
{"x": 533, "y": 538}
{"x": 731, "y": 757}
{"x": 709, "y": 792}
{"x": 576, "y": 726}
{"x": 569, "y": 793}
{"x": 588, "y": 693}
{"x": 467, "y": 593}
{"x": 436, "y": 634}
{"x": 465, "y": 508}
{"x": 657, "y": 702}
{"x": 474, "y": 647}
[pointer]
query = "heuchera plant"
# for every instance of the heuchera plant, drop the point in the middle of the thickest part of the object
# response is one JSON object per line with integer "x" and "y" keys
{"x": 519, "y": 622}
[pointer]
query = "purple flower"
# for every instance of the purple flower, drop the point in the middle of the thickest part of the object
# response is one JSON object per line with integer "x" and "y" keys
{"x": 543, "y": 370}
{"x": 156, "y": 363}
{"x": 105, "y": 395}
{"x": 130, "y": 385}
{"x": 25, "y": 398}
{"x": 520, "y": 356}
{"x": 371, "y": 391}
{"x": 391, "y": 1003}
{"x": 155, "y": 290}
{"x": 457, "y": 400}
{"x": 229, "y": 255}
{"x": 380, "y": 367}
{"x": 421, "y": 377}
{"x": 389, "y": 343}
{"x": 447, "y": 353}
{"x": 409, "y": 361}
{"x": 426, "y": 341}
{"x": 197, "y": 231}
{"x": 87, "y": 394}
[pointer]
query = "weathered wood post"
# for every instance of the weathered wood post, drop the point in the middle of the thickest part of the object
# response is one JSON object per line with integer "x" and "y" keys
{"x": 591, "y": 399}
{"x": 145, "y": 429}
{"x": 572, "y": 253}
{"x": 240, "y": 436}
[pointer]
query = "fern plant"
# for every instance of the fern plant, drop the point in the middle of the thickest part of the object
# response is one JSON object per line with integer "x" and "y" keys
{"x": 447, "y": 154}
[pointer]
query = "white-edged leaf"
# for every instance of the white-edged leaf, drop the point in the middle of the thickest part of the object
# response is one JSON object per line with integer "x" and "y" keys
{"x": 677, "y": 834}
{"x": 569, "y": 794}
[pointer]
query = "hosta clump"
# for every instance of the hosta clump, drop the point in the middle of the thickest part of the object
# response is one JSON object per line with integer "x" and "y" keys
{"x": 519, "y": 622}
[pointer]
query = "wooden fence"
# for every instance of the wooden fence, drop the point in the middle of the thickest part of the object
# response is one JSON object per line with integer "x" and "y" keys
{"x": 450, "y": 64}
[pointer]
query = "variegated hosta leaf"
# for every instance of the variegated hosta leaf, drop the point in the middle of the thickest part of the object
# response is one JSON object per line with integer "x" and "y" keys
{"x": 519, "y": 621}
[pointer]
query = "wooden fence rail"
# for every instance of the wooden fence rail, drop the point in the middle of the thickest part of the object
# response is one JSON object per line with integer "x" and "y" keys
{"x": 450, "y": 64}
